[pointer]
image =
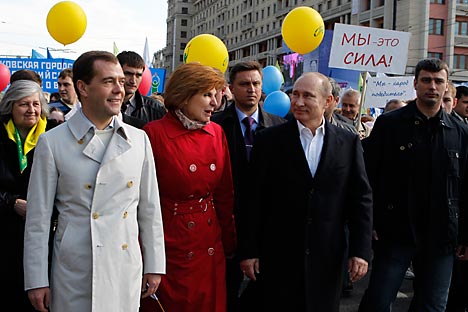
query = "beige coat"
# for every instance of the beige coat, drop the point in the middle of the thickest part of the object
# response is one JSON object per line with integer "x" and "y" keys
{"x": 105, "y": 207}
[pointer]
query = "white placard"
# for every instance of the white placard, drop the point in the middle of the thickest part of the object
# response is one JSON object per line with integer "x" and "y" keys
{"x": 379, "y": 90}
{"x": 369, "y": 49}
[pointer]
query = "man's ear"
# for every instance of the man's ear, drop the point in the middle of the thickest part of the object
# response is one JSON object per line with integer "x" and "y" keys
{"x": 81, "y": 86}
{"x": 328, "y": 101}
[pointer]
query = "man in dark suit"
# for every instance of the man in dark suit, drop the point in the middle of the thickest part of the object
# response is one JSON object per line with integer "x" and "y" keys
{"x": 310, "y": 181}
{"x": 246, "y": 87}
{"x": 416, "y": 158}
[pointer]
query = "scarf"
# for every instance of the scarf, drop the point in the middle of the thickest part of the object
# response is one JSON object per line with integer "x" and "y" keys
{"x": 188, "y": 123}
{"x": 30, "y": 141}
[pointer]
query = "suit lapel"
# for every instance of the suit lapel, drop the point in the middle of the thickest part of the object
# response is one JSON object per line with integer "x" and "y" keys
{"x": 118, "y": 144}
{"x": 331, "y": 142}
{"x": 293, "y": 146}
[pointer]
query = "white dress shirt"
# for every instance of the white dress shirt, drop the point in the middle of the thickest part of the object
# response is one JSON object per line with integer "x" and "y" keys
{"x": 312, "y": 144}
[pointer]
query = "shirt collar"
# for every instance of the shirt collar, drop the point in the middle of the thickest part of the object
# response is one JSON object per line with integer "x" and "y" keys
{"x": 241, "y": 115}
{"x": 320, "y": 129}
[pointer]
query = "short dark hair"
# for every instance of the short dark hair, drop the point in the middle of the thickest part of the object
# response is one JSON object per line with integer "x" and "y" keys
{"x": 336, "y": 89}
{"x": 432, "y": 65}
{"x": 461, "y": 91}
{"x": 26, "y": 74}
{"x": 244, "y": 66}
{"x": 83, "y": 67}
{"x": 131, "y": 59}
{"x": 67, "y": 72}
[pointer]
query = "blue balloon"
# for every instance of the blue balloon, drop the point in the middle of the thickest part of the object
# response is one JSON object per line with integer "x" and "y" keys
{"x": 277, "y": 103}
{"x": 272, "y": 79}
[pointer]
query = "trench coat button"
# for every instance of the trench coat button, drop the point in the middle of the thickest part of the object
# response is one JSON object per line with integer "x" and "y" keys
{"x": 190, "y": 255}
{"x": 307, "y": 252}
{"x": 390, "y": 207}
{"x": 193, "y": 168}
{"x": 416, "y": 122}
{"x": 129, "y": 184}
{"x": 410, "y": 145}
{"x": 312, "y": 191}
{"x": 124, "y": 246}
{"x": 402, "y": 148}
{"x": 212, "y": 167}
{"x": 80, "y": 141}
{"x": 88, "y": 186}
{"x": 125, "y": 215}
{"x": 95, "y": 215}
{"x": 190, "y": 224}
{"x": 211, "y": 251}
{"x": 456, "y": 155}
{"x": 209, "y": 221}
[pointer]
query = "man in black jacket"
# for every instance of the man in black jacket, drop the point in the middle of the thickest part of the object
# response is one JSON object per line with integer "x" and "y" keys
{"x": 416, "y": 159}
{"x": 136, "y": 104}
{"x": 245, "y": 80}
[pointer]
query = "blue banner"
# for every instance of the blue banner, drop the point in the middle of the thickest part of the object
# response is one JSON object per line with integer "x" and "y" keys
{"x": 48, "y": 69}
{"x": 158, "y": 78}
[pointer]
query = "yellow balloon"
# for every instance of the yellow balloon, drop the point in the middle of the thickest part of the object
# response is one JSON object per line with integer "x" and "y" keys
{"x": 303, "y": 30}
{"x": 66, "y": 22}
{"x": 208, "y": 50}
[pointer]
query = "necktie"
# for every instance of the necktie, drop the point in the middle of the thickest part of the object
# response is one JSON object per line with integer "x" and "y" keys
{"x": 249, "y": 134}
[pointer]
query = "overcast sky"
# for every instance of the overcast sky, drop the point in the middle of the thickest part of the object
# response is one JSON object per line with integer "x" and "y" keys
{"x": 126, "y": 22}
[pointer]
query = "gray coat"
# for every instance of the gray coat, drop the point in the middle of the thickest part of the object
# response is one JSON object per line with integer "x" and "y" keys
{"x": 107, "y": 199}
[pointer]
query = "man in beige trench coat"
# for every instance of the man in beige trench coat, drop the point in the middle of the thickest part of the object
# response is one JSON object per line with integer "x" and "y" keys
{"x": 100, "y": 174}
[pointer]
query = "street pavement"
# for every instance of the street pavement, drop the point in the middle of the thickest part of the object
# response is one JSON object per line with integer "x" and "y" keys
{"x": 401, "y": 304}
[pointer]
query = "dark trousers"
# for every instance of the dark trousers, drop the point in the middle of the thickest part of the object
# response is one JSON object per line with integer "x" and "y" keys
{"x": 246, "y": 301}
{"x": 433, "y": 272}
{"x": 458, "y": 293}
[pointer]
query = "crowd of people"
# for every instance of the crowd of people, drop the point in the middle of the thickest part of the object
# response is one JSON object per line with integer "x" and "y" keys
{"x": 200, "y": 200}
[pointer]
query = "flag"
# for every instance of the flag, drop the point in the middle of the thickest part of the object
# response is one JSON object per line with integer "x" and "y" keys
{"x": 35, "y": 54}
{"x": 49, "y": 56}
{"x": 116, "y": 51}
{"x": 146, "y": 55}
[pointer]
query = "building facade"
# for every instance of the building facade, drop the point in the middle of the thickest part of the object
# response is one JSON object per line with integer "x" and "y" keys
{"x": 251, "y": 29}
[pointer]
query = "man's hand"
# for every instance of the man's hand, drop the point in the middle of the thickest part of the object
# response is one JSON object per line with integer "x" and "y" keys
{"x": 357, "y": 268}
{"x": 150, "y": 284}
{"x": 250, "y": 267}
{"x": 39, "y": 298}
{"x": 462, "y": 253}
{"x": 20, "y": 207}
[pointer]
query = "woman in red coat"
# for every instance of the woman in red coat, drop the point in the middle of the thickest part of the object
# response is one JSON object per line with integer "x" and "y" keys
{"x": 196, "y": 191}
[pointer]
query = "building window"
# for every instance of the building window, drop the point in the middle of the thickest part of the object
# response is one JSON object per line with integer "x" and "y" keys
{"x": 183, "y": 45}
{"x": 184, "y": 10}
{"x": 462, "y": 1}
{"x": 461, "y": 28}
{"x": 438, "y": 1}
{"x": 459, "y": 61}
{"x": 183, "y": 34}
{"x": 436, "y": 55}
{"x": 183, "y": 22}
{"x": 181, "y": 58}
{"x": 436, "y": 26}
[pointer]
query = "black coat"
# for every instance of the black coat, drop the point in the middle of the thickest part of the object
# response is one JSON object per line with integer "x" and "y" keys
{"x": 147, "y": 109}
{"x": 296, "y": 222}
{"x": 409, "y": 209}
{"x": 13, "y": 185}
{"x": 229, "y": 121}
